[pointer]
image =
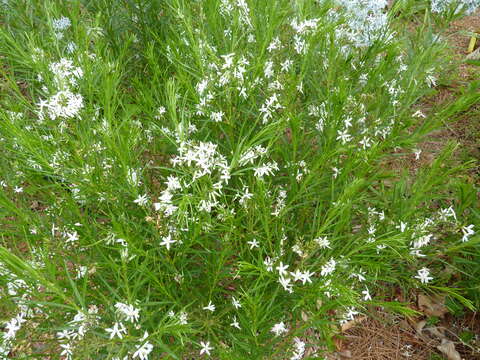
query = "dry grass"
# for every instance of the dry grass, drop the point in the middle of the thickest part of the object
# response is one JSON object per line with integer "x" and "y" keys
{"x": 388, "y": 337}
{"x": 384, "y": 339}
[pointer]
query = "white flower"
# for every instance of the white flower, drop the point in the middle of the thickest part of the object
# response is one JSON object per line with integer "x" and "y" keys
{"x": 143, "y": 351}
{"x": 282, "y": 269}
{"x": 359, "y": 275}
{"x": 402, "y": 226}
{"x": 236, "y": 303}
{"x": 228, "y": 59}
{"x": 253, "y": 243}
{"x": 336, "y": 172}
{"x": 217, "y": 116}
{"x": 344, "y": 136}
{"x": 467, "y": 232}
{"x": 269, "y": 69}
{"x": 117, "y": 330}
{"x": 366, "y": 295}
{"x": 131, "y": 313}
{"x": 366, "y": 21}
{"x": 286, "y": 283}
{"x": 297, "y": 275}
{"x": 12, "y": 327}
{"x": 235, "y": 323}
{"x": 305, "y": 27}
{"x": 210, "y": 307}
{"x": 173, "y": 183}
{"x": 323, "y": 242}
{"x": 431, "y": 79}
{"x": 63, "y": 104}
{"x": 299, "y": 349}
{"x": 275, "y": 44}
{"x": 67, "y": 350}
{"x": 265, "y": 169}
{"x": 132, "y": 177}
{"x": 268, "y": 263}
{"x": 349, "y": 315}
{"x": 306, "y": 275}
{"x": 64, "y": 334}
{"x": 81, "y": 272}
{"x": 141, "y": 200}
{"x": 201, "y": 86}
{"x": 205, "y": 348}
{"x": 424, "y": 275}
{"x": 299, "y": 44}
{"x": 61, "y": 24}
{"x": 167, "y": 241}
{"x": 247, "y": 195}
{"x": 417, "y": 252}
{"x": 183, "y": 318}
{"x": 446, "y": 213}
{"x": 300, "y": 87}
{"x": 279, "y": 329}
{"x": 469, "y": 6}
{"x": 365, "y": 142}
{"x": 417, "y": 153}
{"x": 286, "y": 65}
{"x": 248, "y": 157}
{"x": 419, "y": 114}
{"x": 65, "y": 73}
{"x": 329, "y": 267}
{"x": 421, "y": 241}
{"x": 70, "y": 237}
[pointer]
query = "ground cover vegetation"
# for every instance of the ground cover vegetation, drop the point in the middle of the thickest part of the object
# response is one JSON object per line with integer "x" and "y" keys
{"x": 185, "y": 179}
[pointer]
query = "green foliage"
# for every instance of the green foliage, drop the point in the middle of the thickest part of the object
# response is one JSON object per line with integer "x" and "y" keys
{"x": 218, "y": 177}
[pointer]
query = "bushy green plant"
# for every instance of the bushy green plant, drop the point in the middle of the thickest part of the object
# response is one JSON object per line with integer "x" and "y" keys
{"x": 209, "y": 178}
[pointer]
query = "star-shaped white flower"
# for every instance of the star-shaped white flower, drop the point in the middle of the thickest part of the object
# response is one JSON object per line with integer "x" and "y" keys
{"x": 143, "y": 351}
{"x": 306, "y": 275}
{"x": 366, "y": 295}
{"x": 282, "y": 269}
{"x": 141, "y": 200}
{"x": 279, "y": 328}
{"x": 297, "y": 275}
{"x": 116, "y": 330}
{"x": 167, "y": 241}
{"x": 236, "y": 303}
{"x": 205, "y": 348}
{"x": 424, "y": 275}
{"x": 235, "y": 323}
{"x": 210, "y": 307}
{"x": 323, "y": 242}
{"x": 253, "y": 243}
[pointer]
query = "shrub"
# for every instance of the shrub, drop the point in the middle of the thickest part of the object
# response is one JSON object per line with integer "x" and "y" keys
{"x": 209, "y": 177}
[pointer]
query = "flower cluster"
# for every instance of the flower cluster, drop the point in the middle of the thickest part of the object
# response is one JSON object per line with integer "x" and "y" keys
{"x": 366, "y": 21}
{"x": 469, "y": 6}
{"x": 64, "y": 103}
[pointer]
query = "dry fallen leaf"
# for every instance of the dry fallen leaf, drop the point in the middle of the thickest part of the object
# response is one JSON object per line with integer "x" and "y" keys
{"x": 349, "y": 324}
{"x": 419, "y": 326}
{"x": 436, "y": 332}
{"x": 432, "y": 305}
{"x": 448, "y": 348}
{"x": 474, "y": 55}
{"x": 347, "y": 354}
